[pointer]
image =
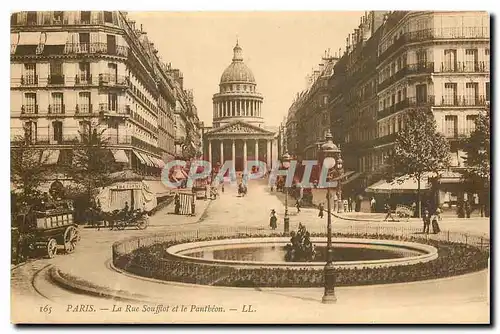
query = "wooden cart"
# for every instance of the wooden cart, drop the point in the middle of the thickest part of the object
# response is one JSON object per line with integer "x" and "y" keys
{"x": 44, "y": 232}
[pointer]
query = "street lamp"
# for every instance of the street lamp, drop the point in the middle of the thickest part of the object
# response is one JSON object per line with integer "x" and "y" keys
{"x": 285, "y": 160}
{"x": 332, "y": 160}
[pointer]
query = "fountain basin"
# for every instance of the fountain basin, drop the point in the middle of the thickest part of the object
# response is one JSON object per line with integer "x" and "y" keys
{"x": 269, "y": 252}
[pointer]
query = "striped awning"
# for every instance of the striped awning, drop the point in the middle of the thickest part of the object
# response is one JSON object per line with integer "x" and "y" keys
{"x": 139, "y": 157}
{"x": 148, "y": 160}
{"x": 120, "y": 156}
{"x": 49, "y": 157}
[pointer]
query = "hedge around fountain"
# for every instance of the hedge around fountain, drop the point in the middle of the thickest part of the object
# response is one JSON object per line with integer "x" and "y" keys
{"x": 154, "y": 262}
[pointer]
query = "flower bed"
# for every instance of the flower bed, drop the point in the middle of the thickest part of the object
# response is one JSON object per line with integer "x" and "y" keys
{"x": 154, "y": 262}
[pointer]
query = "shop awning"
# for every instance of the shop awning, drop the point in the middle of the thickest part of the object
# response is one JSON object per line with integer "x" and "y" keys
{"x": 450, "y": 177}
{"x": 120, "y": 156}
{"x": 399, "y": 185}
{"x": 29, "y": 38}
{"x": 148, "y": 160}
{"x": 14, "y": 38}
{"x": 139, "y": 157}
{"x": 56, "y": 38}
{"x": 159, "y": 163}
{"x": 49, "y": 157}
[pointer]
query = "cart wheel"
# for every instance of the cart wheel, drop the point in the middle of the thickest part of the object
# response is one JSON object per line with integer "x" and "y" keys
{"x": 120, "y": 225}
{"x": 51, "y": 248}
{"x": 71, "y": 237}
{"x": 142, "y": 224}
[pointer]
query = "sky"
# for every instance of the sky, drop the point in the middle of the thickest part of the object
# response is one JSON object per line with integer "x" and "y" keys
{"x": 281, "y": 49}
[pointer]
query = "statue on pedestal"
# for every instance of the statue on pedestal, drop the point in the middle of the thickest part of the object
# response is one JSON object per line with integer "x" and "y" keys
{"x": 300, "y": 248}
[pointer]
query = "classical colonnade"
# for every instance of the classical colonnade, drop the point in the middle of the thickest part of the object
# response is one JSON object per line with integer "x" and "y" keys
{"x": 220, "y": 146}
{"x": 240, "y": 107}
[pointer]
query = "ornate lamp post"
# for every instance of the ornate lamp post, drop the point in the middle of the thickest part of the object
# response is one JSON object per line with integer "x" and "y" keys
{"x": 285, "y": 160}
{"x": 332, "y": 160}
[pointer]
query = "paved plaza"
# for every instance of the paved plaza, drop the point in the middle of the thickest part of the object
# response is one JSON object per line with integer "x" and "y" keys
{"x": 463, "y": 298}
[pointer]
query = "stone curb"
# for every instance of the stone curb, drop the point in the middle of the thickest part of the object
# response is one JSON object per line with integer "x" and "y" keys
{"x": 92, "y": 290}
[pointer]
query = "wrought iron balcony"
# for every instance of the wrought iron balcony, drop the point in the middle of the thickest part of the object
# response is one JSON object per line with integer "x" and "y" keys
{"x": 29, "y": 109}
{"x": 448, "y": 33}
{"x": 394, "y": 78}
{"x": 83, "y": 79}
{"x": 96, "y": 48}
{"x": 56, "y": 109}
{"x": 466, "y": 67}
{"x": 426, "y": 101}
{"x": 56, "y": 79}
{"x": 83, "y": 109}
{"x": 463, "y": 101}
{"x": 29, "y": 80}
{"x": 114, "y": 110}
{"x": 111, "y": 80}
{"x": 419, "y": 68}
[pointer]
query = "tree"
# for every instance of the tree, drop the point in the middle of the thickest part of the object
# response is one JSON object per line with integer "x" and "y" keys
{"x": 419, "y": 149}
{"x": 92, "y": 161}
{"x": 27, "y": 169}
{"x": 477, "y": 161}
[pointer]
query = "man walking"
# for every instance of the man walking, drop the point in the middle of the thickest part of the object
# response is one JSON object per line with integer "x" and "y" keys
{"x": 388, "y": 210}
{"x": 321, "y": 210}
{"x": 297, "y": 205}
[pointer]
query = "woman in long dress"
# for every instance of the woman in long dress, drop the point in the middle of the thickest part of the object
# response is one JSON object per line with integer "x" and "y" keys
{"x": 435, "y": 224}
{"x": 273, "y": 221}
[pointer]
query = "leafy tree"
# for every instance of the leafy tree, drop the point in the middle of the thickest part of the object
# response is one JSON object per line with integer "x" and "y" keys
{"x": 419, "y": 149}
{"x": 27, "y": 169}
{"x": 477, "y": 161}
{"x": 93, "y": 161}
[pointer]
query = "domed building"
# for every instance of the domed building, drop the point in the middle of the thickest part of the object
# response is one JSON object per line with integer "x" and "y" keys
{"x": 238, "y": 132}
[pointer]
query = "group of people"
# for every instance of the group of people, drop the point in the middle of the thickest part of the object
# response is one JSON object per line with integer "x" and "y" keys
{"x": 429, "y": 219}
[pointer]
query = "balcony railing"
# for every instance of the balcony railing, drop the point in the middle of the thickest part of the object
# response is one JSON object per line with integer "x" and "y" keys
{"x": 56, "y": 140}
{"x": 389, "y": 81}
{"x": 118, "y": 139}
{"x": 396, "y": 45}
{"x": 29, "y": 80}
{"x": 426, "y": 101}
{"x": 96, "y": 48}
{"x": 393, "y": 109}
{"x": 109, "y": 109}
{"x": 83, "y": 109}
{"x": 136, "y": 117}
{"x": 56, "y": 109}
{"x": 418, "y": 68}
{"x": 83, "y": 79}
{"x": 463, "y": 101}
{"x": 29, "y": 109}
{"x": 466, "y": 67}
{"x": 106, "y": 79}
{"x": 56, "y": 79}
{"x": 448, "y": 33}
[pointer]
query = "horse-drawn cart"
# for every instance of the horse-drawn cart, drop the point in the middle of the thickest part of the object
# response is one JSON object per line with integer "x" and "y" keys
{"x": 43, "y": 231}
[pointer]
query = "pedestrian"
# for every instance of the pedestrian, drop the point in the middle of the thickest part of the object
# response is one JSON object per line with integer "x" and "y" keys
{"x": 467, "y": 208}
{"x": 373, "y": 203}
{"x": 388, "y": 211}
{"x": 435, "y": 224}
{"x": 273, "y": 220}
{"x": 414, "y": 209}
{"x": 321, "y": 210}
{"x": 349, "y": 204}
{"x": 427, "y": 221}
{"x": 346, "y": 204}
{"x": 222, "y": 187}
{"x": 297, "y": 205}
{"x": 177, "y": 204}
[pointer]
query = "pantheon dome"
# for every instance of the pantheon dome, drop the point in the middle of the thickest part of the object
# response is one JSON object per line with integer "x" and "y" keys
{"x": 237, "y": 99}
